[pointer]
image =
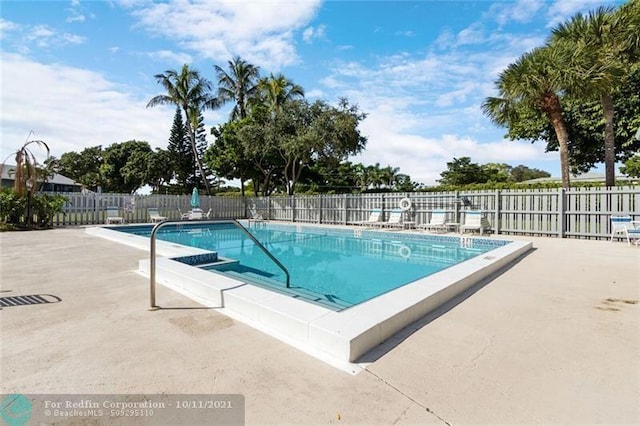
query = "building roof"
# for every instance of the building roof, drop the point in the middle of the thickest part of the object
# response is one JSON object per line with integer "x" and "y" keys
{"x": 57, "y": 179}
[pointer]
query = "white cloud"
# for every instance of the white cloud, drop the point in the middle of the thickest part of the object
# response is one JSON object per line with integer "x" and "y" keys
{"x": 424, "y": 158}
{"x": 521, "y": 11}
{"x": 114, "y": 49}
{"x": 262, "y": 33}
{"x": 7, "y": 26}
{"x": 41, "y": 36}
{"x": 167, "y": 55}
{"x": 473, "y": 34}
{"x": 313, "y": 33}
{"x": 71, "y": 109}
{"x": 561, "y": 10}
{"x": 75, "y": 17}
{"x": 406, "y": 33}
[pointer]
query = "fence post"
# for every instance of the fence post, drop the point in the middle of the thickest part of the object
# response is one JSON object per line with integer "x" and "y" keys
{"x": 320, "y": 208}
{"x": 456, "y": 207}
{"x": 344, "y": 208}
{"x": 562, "y": 206}
{"x": 292, "y": 203}
{"x": 497, "y": 211}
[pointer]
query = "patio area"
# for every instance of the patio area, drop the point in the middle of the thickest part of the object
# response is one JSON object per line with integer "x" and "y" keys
{"x": 553, "y": 339}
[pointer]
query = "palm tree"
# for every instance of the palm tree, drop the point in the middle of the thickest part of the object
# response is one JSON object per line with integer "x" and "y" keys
{"x": 534, "y": 79}
{"x": 629, "y": 16}
{"x": 191, "y": 92}
{"x": 26, "y": 171}
{"x": 275, "y": 91}
{"x": 238, "y": 85}
{"x": 595, "y": 67}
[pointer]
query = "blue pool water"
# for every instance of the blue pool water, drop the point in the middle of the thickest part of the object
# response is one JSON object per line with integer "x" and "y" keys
{"x": 337, "y": 268}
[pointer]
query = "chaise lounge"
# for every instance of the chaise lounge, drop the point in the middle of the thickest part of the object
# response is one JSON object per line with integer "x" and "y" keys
{"x": 475, "y": 220}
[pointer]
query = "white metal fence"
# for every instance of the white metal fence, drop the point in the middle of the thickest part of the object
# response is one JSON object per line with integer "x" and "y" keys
{"x": 576, "y": 212}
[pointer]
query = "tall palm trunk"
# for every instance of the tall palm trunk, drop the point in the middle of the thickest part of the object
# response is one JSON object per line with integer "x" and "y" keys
{"x": 551, "y": 105}
{"x": 609, "y": 140}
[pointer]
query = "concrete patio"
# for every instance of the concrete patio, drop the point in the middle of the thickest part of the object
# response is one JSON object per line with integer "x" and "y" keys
{"x": 553, "y": 339}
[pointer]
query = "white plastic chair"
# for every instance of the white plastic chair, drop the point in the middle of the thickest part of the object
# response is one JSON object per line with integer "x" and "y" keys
{"x": 113, "y": 215}
{"x": 475, "y": 220}
{"x": 437, "y": 221}
{"x": 625, "y": 226}
{"x": 154, "y": 215}
{"x": 374, "y": 218}
{"x": 394, "y": 220}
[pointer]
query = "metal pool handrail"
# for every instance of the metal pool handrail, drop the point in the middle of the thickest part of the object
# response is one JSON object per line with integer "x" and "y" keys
{"x": 152, "y": 260}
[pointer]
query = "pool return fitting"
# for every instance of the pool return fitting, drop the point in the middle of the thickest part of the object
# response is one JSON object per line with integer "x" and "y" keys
{"x": 152, "y": 259}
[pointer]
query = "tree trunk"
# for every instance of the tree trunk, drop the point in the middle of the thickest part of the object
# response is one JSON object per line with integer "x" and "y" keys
{"x": 555, "y": 115}
{"x": 192, "y": 131}
{"x": 609, "y": 140}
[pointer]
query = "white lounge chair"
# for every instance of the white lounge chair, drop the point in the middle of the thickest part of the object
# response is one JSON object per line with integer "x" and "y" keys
{"x": 195, "y": 214}
{"x": 633, "y": 234}
{"x": 394, "y": 220}
{"x": 113, "y": 215}
{"x": 374, "y": 218}
{"x": 154, "y": 215}
{"x": 475, "y": 220}
{"x": 625, "y": 226}
{"x": 436, "y": 223}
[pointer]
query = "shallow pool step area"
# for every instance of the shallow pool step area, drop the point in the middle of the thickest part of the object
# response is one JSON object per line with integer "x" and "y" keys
{"x": 279, "y": 286}
{"x": 337, "y": 337}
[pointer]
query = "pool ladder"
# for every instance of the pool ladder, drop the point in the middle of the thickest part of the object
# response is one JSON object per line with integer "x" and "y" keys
{"x": 156, "y": 228}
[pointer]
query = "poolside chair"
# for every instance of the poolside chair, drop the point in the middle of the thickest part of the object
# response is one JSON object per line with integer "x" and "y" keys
{"x": 113, "y": 215}
{"x": 474, "y": 220}
{"x": 620, "y": 225}
{"x": 374, "y": 218}
{"x": 257, "y": 217}
{"x": 436, "y": 223}
{"x": 633, "y": 234}
{"x": 625, "y": 226}
{"x": 394, "y": 220}
{"x": 195, "y": 214}
{"x": 154, "y": 215}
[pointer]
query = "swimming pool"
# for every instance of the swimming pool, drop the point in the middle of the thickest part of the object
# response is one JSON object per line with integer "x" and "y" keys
{"x": 332, "y": 268}
{"x": 325, "y": 330}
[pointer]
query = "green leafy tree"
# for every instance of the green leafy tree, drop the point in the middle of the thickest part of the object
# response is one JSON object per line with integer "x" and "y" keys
{"x": 303, "y": 132}
{"x": 632, "y": 167}
{"x": 159, "y": 170}
{"x": 124, "y": 166}
{"x": 496, "y": 172}
{"x": 534, "y": 81}
{"x": 83, "y": 167}
{"x": 521, "y": 173}
{"x": 226, "y": 155}
{"x": 461, "y": 171}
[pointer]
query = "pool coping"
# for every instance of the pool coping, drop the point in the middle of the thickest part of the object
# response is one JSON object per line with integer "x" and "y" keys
{"x": 339, "y": 338}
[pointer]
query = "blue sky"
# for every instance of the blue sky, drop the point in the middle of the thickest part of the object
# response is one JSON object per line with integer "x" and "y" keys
{"x": 79, "y": 73}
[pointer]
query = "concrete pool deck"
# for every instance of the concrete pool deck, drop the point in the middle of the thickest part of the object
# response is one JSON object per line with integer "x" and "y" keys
{"x": 554, "y": 339}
